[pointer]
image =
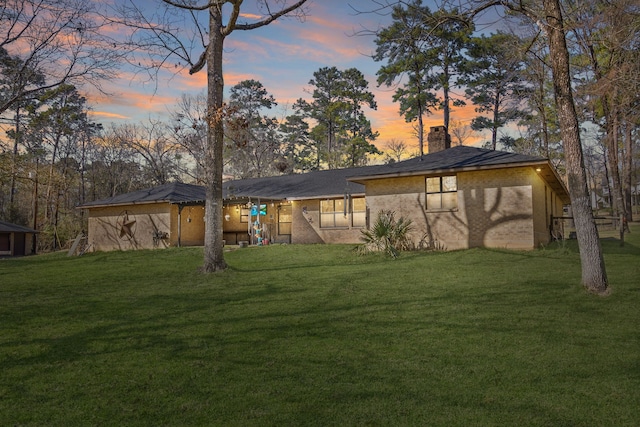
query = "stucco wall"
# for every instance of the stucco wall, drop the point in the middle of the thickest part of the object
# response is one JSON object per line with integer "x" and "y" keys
{"x": 105, "y": 228}
{"x": 542, "y": 201}
{"x": 495, "y": 209}
{"x": 546, "y": 204}
{"x": 191, "y": 231}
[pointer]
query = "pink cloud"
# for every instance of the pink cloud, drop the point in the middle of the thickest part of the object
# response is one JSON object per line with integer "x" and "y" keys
{"x": 97, "y": 115}
{"x": 283, "y": 56}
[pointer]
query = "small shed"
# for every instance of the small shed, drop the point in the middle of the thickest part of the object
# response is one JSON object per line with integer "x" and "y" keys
{"x": 168, "y": 215}
{"x": 16, "y": 240}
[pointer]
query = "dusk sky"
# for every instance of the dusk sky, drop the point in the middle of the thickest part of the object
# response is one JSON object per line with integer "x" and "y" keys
{"x": 283, "y": 56}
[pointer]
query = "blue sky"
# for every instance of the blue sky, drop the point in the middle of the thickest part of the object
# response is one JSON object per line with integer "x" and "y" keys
{"x": 283, "y": 56}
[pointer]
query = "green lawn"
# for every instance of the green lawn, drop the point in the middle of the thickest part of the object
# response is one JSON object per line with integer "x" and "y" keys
{"x": 319, "y": 336}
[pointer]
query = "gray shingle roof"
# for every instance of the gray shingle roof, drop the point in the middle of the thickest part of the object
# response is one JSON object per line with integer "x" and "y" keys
{"x": 336, "y": 182}
{"x": 175, "y": 192}
{"x": 452, "y": 159}
{"x": 7, "y": 227}
{"x": 331, "y": 183}
{"x": 315, "y": 184}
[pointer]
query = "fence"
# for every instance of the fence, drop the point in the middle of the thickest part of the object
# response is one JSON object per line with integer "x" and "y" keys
{"x": 563, "y": 227}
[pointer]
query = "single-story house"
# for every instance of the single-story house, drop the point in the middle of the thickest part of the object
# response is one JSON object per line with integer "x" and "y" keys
{"x": 16, "y": 240}
{"x": 457, "y": 197}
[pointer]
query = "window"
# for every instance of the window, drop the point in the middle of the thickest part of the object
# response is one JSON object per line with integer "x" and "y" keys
{"x": 5, "y": 243}
{"x": 247, "y": 213}
{"x": 284, "y": 219}
{"x": 333, "y": 213}
{"x": 442, "y": 192}
{"x": 359, "y": 212}
{"x": 244, "y": 215}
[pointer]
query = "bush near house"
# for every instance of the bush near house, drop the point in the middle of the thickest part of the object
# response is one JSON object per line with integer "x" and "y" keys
{"x": 387, "y": 235}
{"x": 316, "y": 335}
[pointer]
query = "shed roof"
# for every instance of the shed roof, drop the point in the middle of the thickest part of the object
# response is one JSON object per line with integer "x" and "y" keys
{"x": 175, "y": 192}
{"x": 7, "y": 227}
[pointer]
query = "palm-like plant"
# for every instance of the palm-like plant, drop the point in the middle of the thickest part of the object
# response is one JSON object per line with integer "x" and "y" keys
{"x": 387, "y": 235}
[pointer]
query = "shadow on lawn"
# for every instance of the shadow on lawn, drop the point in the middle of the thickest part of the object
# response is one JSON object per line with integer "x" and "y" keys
{"x": 340, "y": 345}
{"x": 610, "y": 245}
{"x": 168, "y": 324}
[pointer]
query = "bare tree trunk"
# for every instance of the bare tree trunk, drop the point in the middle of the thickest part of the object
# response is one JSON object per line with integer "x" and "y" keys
{"x": 14, "y": 167}
{"x": 50, "y": 183}
{"x": 420, "y": 132}
{"x": 594, "y": 276}
{"x": 606, "y": 176}
{"x": 213, "y": 248}
{"x": 543, "y": 115}
{"x": 446, "y": 107}
{"x": 628, "y": 163}
{"x": 494, "y": 127}
{"x": 611, "y": 139}
{"x": 35, "y": 207}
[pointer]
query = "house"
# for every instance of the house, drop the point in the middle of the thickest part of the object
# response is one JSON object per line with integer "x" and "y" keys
{"x": 457, "y": 197}
{"x": 16, "y": 240}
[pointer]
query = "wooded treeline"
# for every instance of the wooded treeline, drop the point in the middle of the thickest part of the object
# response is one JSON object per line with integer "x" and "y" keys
{"x": 54, "y": 157}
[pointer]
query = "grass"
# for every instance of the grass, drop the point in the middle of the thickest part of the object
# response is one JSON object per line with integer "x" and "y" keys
{"x": 318, "y": 336}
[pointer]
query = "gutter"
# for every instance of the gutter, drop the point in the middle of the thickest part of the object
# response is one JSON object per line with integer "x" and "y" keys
{"x": 325, "y": 196}
{"x": 359, "y": 178}
{"x": 153, "y": 202}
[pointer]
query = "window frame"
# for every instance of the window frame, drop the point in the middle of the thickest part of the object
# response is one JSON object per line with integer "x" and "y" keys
{"x": 289, "y": 207}
{"x": 441, "y": 193}
{"x": 354, "y": 212}
{"x": 333, "y": 213}
{"x": 339, "y": 219}
{"x": 244, "y": 215}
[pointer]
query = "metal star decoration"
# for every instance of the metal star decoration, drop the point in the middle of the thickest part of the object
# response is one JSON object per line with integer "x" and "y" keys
{"x": 127, "y": 226}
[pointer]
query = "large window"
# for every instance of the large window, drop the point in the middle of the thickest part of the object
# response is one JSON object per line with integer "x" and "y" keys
{"x": 335, "y": 213}
{"x": 442, "y": 192}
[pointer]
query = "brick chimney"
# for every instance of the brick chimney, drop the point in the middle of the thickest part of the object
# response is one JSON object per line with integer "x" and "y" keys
{"x": 438, "y": 139}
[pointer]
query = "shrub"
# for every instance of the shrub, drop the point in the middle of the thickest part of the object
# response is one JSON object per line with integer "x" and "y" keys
{"x": 387, "y": 235}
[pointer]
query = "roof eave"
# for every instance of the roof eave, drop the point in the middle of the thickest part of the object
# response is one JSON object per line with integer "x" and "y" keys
{"x": 109, "y": 205}
{"x": 325, "y": 196}
{"x": 360, "y": 179}
{"x": 563, "y": 192}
